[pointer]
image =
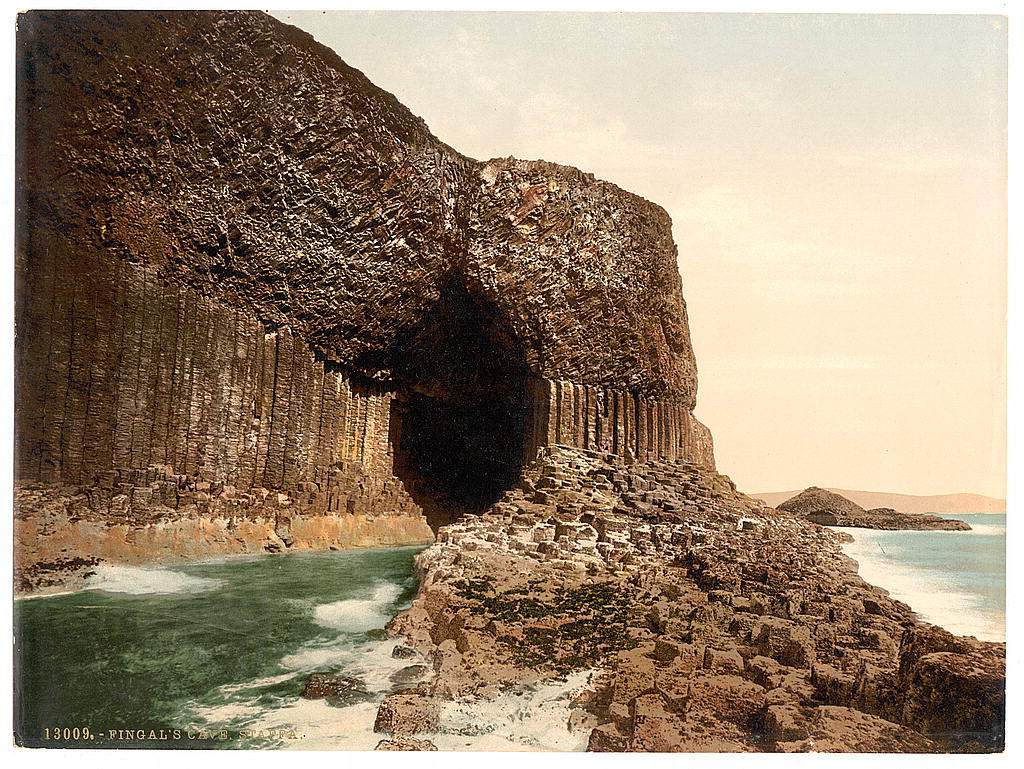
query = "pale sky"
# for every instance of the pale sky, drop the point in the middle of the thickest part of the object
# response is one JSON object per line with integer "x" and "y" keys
{"x": 838, "y": 191}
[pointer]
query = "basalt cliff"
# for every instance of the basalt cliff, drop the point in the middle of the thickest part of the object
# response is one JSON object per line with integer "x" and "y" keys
{"x": 261, "y": 308}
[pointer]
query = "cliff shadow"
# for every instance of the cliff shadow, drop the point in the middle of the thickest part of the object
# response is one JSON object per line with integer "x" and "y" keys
{"x": 459, "y": 417}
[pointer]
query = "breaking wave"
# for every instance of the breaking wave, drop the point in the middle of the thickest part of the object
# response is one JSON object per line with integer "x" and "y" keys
{"x": 985, "y": 529}
{"x": 316, "y": 724}
{"x": 357, "y": 615}
{"x": 138, "y": 580}
{"x": 526, "y": 718}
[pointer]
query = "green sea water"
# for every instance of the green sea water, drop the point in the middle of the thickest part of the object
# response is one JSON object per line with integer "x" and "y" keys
{"x": 158, "y": 651}
{"x": 215, "y": 655}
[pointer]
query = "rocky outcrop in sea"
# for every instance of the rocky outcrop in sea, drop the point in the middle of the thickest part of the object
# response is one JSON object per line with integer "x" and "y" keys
{"x": 830, "y": 509}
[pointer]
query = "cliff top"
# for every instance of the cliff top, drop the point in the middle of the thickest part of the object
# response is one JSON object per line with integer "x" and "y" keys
{"x": 247, "y": 161}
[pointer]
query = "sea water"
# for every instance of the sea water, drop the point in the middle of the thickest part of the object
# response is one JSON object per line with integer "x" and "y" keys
{"x": 216, "y": 655}
{"x": 955, "y": 579}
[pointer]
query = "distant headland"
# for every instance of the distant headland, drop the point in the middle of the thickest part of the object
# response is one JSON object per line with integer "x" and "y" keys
{"x": 959, "y": 504}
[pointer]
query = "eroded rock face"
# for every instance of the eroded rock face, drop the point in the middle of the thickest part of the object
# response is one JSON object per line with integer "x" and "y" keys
{"x": 405, "y": 743}
{"x": 830, "y": 509}
{"x": 256, "y": 301}
{"x": 602, "y": 264}
{"x": 711, "y": 622}
{"x": 244, "y": 268}
{"x": 249, "y": 162}
{"x": 956, "y": 686}
{"x": 833, "y": 729}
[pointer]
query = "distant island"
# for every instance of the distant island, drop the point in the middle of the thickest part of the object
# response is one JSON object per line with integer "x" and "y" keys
{"x": 957, "y": 504}
{"x": 827, "y": 508}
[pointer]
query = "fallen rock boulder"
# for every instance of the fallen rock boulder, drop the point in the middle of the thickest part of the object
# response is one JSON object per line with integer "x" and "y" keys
{"x": 336, "y": 690}
{"x": 406, "y": 743}
{"x": 407, "y": 713}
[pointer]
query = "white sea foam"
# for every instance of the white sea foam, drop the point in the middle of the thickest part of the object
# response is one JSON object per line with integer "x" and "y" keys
{"x": 317, "y": 725}
{"x": 355, "y": 615}
{"x": 933, "y": 597}
{"x": 531, "y": 718}
{"x": 370, "y": 662}
{"x": 256, "y": 683}
{"x": 137, "y": 580}
{"x": 527, "y": 718}
{"x": 986, "y": 529}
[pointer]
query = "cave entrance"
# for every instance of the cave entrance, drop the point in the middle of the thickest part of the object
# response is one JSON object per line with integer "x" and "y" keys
{"x": 458, "y": 420}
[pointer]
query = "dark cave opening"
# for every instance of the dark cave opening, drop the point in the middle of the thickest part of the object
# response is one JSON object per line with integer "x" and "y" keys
{"x": 458, "y": 422}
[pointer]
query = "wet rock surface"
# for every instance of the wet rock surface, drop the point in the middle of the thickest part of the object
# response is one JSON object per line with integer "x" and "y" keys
{"x": 405, "y": 743}
{"x": 155, "y": 515}
{"x": 716, "y": 623}
{"x": 337, "y": 691}
{"x": 42, "y": 577}
{"x": 830, "y": 509}
{"x": 407, "y": 713}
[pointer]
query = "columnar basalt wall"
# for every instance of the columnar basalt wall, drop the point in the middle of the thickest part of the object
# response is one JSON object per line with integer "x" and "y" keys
{"x": 249, "y": 276}
{"x": 591, "y": 272}
{"x": 615, "y": 421}
{"x": 156, "y": 423}
{"x": 120, "y": 369}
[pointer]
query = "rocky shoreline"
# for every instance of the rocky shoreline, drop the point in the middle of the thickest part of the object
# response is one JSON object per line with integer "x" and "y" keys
{"x": 830, "y": 509}
{"x": 715, "y": 623}
{"x": 891, "y": 520}
{"x": 154, "y": 516}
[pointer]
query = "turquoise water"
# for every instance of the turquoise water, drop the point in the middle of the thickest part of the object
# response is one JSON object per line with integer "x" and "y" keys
{"x": 215, "y": 655}
{"x": 956, "y": 579}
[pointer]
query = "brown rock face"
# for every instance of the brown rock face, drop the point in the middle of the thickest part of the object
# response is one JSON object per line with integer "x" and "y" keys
{"x": 832, "y": 729}
{"x": 955, "y": 687}
{"x": 336, "y": 690}
{"x": 249, "y": 162}
{"x": 831, "y": 509}
{"x": 250, "y": 280}
{"x": 407, "y": 713}
{"x": 406, "y": 743}
{"x": 260, "y": 307}
{"x": 253, "y": 287}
